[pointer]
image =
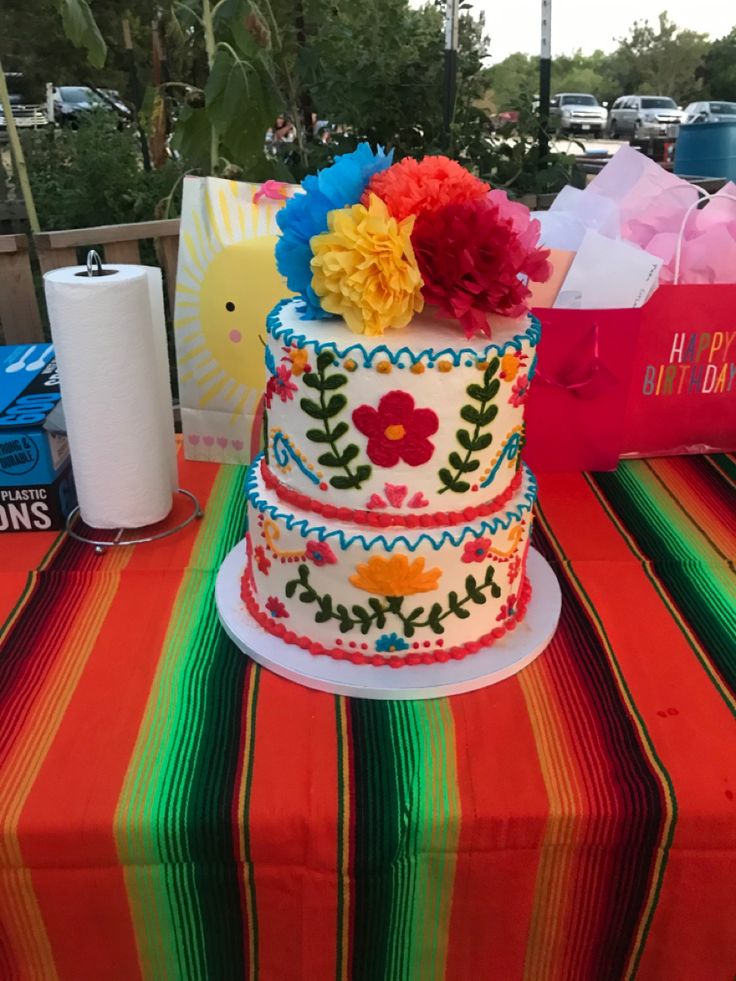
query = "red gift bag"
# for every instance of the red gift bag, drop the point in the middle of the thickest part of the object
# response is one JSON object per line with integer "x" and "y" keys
{"x": 682, "y": 397}
{"x": 577, "y": 401}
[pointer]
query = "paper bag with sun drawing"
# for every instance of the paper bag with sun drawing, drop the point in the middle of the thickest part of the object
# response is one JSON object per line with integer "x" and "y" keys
{"x": 226, "y": 285}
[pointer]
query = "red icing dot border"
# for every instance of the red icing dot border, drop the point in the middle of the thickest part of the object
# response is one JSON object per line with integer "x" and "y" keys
{"x": 279, "y": 629}
{"x": 376, "y": 519}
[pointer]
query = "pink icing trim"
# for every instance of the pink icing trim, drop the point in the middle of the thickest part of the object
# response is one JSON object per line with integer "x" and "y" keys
{"x": 441, "y": 654}
{"x": 374, "y": 519}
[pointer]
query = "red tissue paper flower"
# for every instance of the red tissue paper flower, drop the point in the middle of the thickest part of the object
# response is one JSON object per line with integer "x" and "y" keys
{"x": 397, "y": 430}
{"x": 412, "y": 187}
{"x": 472, "y": 257}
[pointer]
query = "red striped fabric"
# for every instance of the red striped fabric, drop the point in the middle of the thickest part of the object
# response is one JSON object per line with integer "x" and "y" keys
{"x": 168, "y": 809}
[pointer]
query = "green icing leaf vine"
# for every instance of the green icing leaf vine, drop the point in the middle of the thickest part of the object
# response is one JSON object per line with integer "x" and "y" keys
{"x": 479, "y": 416}
{"x": 378, "y": 609}
{"x": 330, "y": 404}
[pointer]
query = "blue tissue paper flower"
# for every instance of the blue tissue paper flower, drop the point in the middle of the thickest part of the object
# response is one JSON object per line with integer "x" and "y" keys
{"x": 305, "y": 215}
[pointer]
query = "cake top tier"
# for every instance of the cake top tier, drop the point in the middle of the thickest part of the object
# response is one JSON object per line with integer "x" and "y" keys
{"x": 373, "y": 242}
{"x": 431, "y": 339}
{"x": 403, "y": 429}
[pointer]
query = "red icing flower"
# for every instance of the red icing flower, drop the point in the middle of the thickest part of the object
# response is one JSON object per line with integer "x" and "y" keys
{"x": 411, "y": 187}
{"x": 508, "y": 609}
{"x": 320, "y": 553}
{"x": 262, "y": 560}
{"x": 283, "y": 385}
{"x": 397, "y": 430}
{"x": 275, "y": 607}
{"x": 476, "y": 549}
{"x": 513, "y": 570}
{"x": 475, "y": 257}
{"x": 520, "y": 391}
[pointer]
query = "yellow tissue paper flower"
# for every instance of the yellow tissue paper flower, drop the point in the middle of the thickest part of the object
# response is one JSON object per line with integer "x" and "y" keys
{"x": 364, "y": 268}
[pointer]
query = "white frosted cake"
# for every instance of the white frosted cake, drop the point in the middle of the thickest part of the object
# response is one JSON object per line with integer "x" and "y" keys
{"x": 389, "y": 516}
{"x": 390, "y": 512}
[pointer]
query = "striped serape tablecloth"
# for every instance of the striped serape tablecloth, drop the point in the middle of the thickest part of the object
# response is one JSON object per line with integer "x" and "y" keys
{"x": 168, "y": 809}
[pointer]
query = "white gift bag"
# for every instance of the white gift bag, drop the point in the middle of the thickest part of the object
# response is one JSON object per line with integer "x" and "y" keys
{"x": 226, "y": 284}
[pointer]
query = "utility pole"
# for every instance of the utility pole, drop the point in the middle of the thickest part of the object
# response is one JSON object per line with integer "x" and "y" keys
{"x": 450, "y": 86}
{"x": 545, "y": 77}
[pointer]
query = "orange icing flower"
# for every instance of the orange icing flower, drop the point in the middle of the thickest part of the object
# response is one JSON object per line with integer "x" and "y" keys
{"x": 364, "y": 268}
{"x": 299, "y": 358}
{"x": 411, "y": 187}
{"x": 509, "y": 366}
{"x": 396, "y": 576}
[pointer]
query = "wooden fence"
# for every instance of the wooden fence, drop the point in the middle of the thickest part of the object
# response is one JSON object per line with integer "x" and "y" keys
{"x": 21, "y": 320}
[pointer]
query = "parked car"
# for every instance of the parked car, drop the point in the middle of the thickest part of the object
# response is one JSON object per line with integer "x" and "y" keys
{"x": 71, "y": 102}
{"x": 710, "y": 112}
{"x": 578, "y": 112}
{"x": 26, "y": 112}
{"x": 640, "y": 116}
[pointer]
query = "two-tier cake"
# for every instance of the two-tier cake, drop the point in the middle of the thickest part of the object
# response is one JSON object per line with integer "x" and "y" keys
{"x": 390, "y": 512}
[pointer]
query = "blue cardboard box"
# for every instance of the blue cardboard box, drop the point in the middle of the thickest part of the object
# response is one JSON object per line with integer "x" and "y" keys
{"x": 36, "y": 484}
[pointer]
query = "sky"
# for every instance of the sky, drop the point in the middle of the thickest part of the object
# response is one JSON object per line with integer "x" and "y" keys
{"x": 591, "y": 24}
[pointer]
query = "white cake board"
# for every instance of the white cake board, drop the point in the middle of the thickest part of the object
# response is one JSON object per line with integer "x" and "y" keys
{"x": 505, "y": 658}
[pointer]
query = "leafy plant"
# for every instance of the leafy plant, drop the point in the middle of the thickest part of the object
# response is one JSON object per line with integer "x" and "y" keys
{"x": 92, "y": 176}
{"x": 82, "y": 30}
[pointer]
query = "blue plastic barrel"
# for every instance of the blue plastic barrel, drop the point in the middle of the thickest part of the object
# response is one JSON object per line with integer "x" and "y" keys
{"x": 706, "y": 150}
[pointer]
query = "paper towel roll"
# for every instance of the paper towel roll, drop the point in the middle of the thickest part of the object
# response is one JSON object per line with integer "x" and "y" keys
{"x": 109, "y": 336}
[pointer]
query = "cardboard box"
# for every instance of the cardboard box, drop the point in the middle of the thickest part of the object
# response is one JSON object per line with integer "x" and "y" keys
{"x": 36, "y": 485}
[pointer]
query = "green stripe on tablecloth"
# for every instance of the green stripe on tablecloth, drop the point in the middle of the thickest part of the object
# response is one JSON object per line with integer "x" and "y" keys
{"x": 690, "y": 566}
{"x": 407, "y": 818}
{"x": 173, "y": 821}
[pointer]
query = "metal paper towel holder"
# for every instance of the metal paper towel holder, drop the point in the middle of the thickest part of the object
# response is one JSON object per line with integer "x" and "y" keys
{"x": 118, "y": 541}
{"x": 94, "y": 268}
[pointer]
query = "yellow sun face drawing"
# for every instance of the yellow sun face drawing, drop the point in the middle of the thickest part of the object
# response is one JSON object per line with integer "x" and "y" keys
{"x": 227, "y": 285}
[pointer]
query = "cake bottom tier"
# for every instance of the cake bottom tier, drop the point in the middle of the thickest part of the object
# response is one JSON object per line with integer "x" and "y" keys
{"x": 386, "y": 597}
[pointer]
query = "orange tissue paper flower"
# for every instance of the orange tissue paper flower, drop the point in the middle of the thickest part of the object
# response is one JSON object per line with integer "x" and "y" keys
{"x": 364, "y": 269}
{"x": 412, "y": 187}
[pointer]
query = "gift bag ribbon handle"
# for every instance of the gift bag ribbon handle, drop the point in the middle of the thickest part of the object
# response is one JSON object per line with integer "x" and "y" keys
{"x": 274, "y": 190}
{"x": 704, "y": 196}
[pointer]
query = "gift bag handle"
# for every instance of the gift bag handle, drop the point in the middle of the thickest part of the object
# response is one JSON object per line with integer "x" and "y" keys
{"x": 704, "y": 196}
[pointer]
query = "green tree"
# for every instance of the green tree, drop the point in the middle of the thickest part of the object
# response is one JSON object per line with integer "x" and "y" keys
{"x": 661, "y": 60}
{"x": 718, "y": 69}
{"x": 510, "y": 80}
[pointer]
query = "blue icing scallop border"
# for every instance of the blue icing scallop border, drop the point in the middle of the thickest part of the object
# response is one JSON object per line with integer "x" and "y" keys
{"x": 454, "y": 535}
{"x": 289, "y": 335}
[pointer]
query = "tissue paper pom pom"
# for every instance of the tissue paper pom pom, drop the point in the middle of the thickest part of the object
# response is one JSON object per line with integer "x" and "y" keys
{"x": 305, "y": 215}
{"x": 471, "y": 256}
{"x": 364, "y": 268}
{"x": 412, "y": 187}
